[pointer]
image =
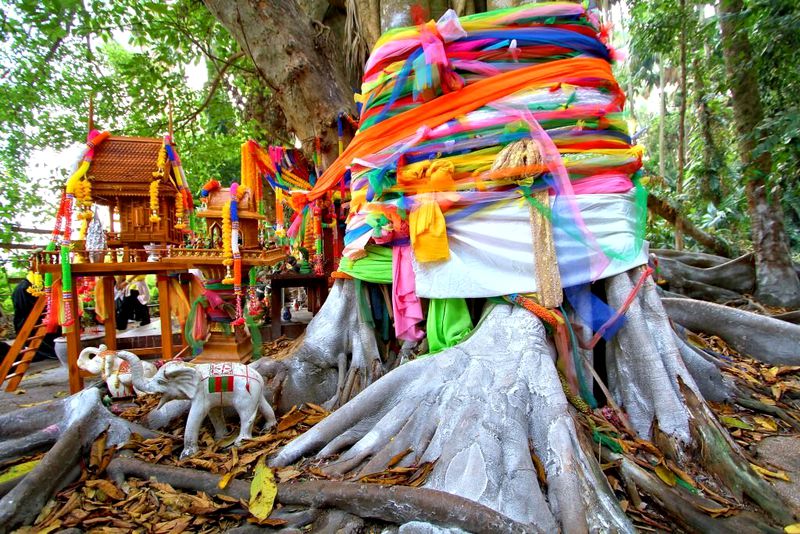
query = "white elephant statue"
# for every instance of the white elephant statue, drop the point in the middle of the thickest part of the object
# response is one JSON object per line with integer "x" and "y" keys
{"x": 211, "y": 387}
{"x": 113, "y": 369}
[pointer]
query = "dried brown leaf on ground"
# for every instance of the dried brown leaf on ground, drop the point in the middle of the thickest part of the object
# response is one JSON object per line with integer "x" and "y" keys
{"x": 400, "y": 476}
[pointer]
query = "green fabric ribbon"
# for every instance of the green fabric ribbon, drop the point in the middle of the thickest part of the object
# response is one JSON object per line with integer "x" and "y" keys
{"x": 448, "y": 323}
{"x": 255, "y": 335}
{"x": 375, "y": 267}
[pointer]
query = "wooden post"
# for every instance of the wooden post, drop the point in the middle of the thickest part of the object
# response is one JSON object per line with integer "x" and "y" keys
{"x": 166, "y": 320}
{"x": 110, "y": 324}
{"x": 185, "y": 287}
{"x": 74, "y": 345}
{"x": 275, "y": 309}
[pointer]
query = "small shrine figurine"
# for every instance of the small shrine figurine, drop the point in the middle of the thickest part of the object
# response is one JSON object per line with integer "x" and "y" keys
{"x": 113, "y": 368}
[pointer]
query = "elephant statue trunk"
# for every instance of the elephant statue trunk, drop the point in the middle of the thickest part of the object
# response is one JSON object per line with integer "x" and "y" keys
{"x": 111, "y": 366}
{"x": 137, "y": 371}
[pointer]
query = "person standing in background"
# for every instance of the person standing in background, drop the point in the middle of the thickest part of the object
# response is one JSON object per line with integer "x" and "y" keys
{"x": 132, "y": 296}
{"x": 23, "y": 306}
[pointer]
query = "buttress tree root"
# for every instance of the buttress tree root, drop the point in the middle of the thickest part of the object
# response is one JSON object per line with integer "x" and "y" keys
{"x": 337, "y": 358}
{"x": 488, "y": 410}
{"x": 70, "y": 426}
{"x": 758, "y": 336}
{"x": 394, "y": 504}
{"x": 714, "y": 279}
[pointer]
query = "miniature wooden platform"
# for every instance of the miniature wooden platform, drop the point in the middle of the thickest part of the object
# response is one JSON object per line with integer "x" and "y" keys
{"x": 173, "y": 261}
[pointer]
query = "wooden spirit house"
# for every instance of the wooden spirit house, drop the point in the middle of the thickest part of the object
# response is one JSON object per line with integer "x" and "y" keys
{"x": 121, "y": 174}
{"x": 248, "y": 218}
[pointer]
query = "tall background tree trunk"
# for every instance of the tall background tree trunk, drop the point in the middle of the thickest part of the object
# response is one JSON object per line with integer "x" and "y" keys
{"x": 712, "y": 164}
{"x": 777, "y": 282}
{"x": 681, "y": 126}
{"x": 662, "y": 117}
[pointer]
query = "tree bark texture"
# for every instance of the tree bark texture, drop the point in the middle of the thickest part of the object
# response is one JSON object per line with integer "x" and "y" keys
{"x": 297, "y": 59}
{"x": 681, "y": 127}
{"x": 395, "y": 504}
{"x": 662, "y": 116}
{"x": 712, "y": 162}
{"x": 777, "y": 281}
{"x": 73, "y": 424}
{"x": 500, "y": 4}
{"x": 766, "y": 339}
{"x": 369, "y": 14}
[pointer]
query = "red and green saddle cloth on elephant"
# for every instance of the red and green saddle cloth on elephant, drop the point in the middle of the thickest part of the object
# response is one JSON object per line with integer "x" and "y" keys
{"x": 222, "y": 377}
{"x": 220, "y": 384}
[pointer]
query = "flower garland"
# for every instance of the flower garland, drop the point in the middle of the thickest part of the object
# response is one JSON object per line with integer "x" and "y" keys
{"x": 227, "y": 253}
{"x": 184, "y": 202}
{"x": 236, "y": 195}
{"x": 37, "y": 284}
{"x": 158, "y": 175}
{"x": 154, "y": 217}
{"x": 83, "y": 196}
{"x": 94, "y": 139}
{"x": 179, "y": 201}
{"x": 66, "y": 268}
{"x": 51, "y": 320}
{"x": 319, "y": 246}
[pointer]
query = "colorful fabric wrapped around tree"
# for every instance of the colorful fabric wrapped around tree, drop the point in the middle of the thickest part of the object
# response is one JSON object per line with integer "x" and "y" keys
{"x": 441, "y": 104}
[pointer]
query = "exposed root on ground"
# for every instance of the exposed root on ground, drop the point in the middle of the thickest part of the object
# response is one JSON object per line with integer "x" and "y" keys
{"x": 337, "y": 358}
{"x": 70, "y": 425}
{"x": 395, "y": 504}
{"x": 476, "y": 412}
{"x": 491, "y": 409}
{"x": 485, "y": 427}
{"x": 737, "y": 275}
{"x": 770, "y": 340}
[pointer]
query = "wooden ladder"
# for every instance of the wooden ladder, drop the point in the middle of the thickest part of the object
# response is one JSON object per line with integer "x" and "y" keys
{"x": 25, "y": 346}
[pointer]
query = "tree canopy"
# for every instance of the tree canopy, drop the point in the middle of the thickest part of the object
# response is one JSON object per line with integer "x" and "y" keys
{"x": 132, "y": 58}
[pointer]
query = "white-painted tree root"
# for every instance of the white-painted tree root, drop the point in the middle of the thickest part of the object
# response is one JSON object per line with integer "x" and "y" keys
{"x": 763, "y": 338}
{"x": 395, "y": 504}
{"x": 70, "y": 425}
{"x": 478, "y": 410}
{"x": 337, "y": 358}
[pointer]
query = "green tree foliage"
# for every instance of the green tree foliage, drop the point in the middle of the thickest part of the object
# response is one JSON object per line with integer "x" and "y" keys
{"x": 713, "y": 195}
{"x": 133, "y": 56}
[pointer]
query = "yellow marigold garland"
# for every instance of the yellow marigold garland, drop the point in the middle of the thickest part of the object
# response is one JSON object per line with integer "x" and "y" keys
{"x": 227, "y": 251}
{"x": 154, "y": 217}
{"x": 37, "y": 284}
{"x": 180, "y": 225}
{"x": 84, "y": 227}
{"x": 158, "y": 174}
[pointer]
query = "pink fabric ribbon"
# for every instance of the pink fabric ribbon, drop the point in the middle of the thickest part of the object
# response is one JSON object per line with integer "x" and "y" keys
{"x": 406, "y": 305}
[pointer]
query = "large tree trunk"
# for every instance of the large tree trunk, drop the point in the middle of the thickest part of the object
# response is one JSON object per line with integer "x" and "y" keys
{"x": 297, "y": 58}
{"x": 712, "y": 162}
{"x": 681, "y": 127}
{"x": 709, "y": 180}
{"x": 776, "y": 279}
{"x": 662, "y": 117}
